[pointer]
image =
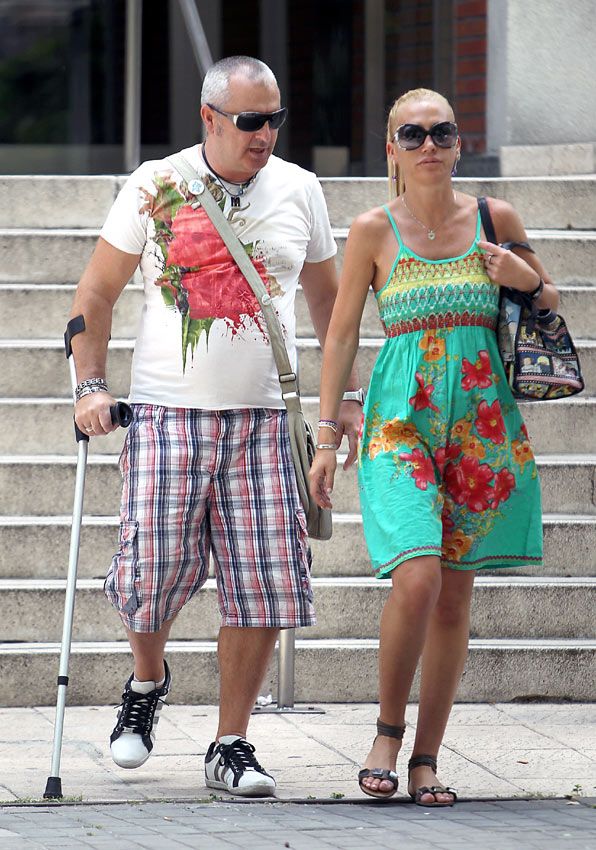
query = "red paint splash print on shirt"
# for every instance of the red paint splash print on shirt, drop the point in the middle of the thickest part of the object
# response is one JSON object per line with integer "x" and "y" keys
{"x": 200, "y": 277}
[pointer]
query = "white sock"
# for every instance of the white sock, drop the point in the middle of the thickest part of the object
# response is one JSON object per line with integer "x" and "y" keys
{"x": 145, "y": 687}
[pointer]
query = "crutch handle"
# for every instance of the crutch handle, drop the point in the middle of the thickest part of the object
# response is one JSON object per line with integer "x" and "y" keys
{"x": 121, "y": 414}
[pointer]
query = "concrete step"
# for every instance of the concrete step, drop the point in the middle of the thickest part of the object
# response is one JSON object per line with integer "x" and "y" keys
{"x": 564, "y": 425}
{"x": 83, "y": 201}
{"x": 44, "y": 485}
{"x": 38, "y": 547}
{"x": 325, "y": 671}
{"x": 32, "y": 425}
{"x": 542, "y": 202}
{"x": 57, "y": 200}
{"x": 38, "y": 368}
{"x": 35, "y": 256}
{"x": 346, "y": 608}
{"x": 41, "y": 311}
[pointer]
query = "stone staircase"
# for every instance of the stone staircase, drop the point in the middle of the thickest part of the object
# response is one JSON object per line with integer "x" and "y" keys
{"x": 533, "y": 631}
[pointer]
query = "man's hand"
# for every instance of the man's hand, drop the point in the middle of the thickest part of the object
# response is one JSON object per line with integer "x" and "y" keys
{"x": 349, "y": 421}
{"x": 92, "y": 414}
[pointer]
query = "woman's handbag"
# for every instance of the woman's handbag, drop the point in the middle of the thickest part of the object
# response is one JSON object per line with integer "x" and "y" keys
{"x": 536, "y": 348}
{"x": 302, "y": 442}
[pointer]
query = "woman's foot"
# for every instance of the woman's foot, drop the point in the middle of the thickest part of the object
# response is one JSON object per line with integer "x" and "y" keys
{"x": 423, "y": 785}
{"x": 378, "y": 778}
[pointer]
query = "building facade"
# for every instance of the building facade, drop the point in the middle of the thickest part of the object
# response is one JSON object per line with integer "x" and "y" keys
{"x": 518, "y": 72}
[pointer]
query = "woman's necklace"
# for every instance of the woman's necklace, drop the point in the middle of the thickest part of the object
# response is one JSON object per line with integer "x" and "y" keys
{"x": 431, "y": 232}
{"x": 241, "y": 187}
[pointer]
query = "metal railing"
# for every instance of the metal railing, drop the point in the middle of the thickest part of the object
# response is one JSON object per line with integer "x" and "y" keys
{"x": 133, "y": 69}
{"x": 132, "y": 158}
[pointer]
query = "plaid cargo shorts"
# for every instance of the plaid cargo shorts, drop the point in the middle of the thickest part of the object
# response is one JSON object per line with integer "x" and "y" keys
{"x": 201, "y": 482}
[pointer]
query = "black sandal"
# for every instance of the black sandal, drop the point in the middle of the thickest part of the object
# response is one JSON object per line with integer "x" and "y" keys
{"x": 383, "y": 774}
{"x": 429, "y": 761}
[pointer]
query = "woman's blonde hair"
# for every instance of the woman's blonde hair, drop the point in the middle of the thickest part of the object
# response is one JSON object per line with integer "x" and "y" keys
{"x": 396, "y": 181}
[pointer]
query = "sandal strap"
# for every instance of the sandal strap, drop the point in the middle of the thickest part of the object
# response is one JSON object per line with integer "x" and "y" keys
{"x": 389, "y": 731}
{"x": 419, "y": 761}
{"x": 378, "y": 773}
{"x": 434, "y": 790}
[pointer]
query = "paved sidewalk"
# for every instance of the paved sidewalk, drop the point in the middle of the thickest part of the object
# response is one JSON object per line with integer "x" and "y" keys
{"x": 537, "y": 825}
{"x": 490, "y": 751}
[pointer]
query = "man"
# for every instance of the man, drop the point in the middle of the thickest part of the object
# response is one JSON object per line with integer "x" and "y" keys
{"x": 206, "y": 464}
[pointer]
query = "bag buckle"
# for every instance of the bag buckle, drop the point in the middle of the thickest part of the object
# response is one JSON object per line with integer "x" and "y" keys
{"x": 290, "y": 377}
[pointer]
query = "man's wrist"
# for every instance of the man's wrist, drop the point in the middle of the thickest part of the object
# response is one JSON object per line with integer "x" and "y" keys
{"x": 89, "y": 386}
{"x": 354, "y": 395}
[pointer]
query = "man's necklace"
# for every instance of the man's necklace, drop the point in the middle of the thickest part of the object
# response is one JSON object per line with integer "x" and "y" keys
{"x": 431, "y": 232}
{"x": 240, "y": 187}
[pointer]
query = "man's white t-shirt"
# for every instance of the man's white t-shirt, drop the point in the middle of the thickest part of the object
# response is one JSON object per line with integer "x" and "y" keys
{"x": 203, "y": 340}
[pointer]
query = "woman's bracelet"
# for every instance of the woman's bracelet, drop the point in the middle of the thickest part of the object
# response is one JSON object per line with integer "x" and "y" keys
{"x": 536, "y": 293}
{"x": 327, "y": 446}
{"x": 328, "y": 423}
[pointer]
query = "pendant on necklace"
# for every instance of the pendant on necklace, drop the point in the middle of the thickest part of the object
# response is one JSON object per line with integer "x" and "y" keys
{"x": 431, "y": 234}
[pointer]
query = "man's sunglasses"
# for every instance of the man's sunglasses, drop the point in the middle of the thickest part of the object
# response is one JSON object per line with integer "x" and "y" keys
{"x": 250, "y": 122}
{"x": 411, "y": 136}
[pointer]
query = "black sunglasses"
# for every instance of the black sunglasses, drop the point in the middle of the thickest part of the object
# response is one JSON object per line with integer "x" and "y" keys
{"x": 411, "y": 136}
{"x": 250, "y": 122}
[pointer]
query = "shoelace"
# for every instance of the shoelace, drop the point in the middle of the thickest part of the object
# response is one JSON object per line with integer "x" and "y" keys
{"x": 138, "y": 711}
{"x": 239, "y": 756}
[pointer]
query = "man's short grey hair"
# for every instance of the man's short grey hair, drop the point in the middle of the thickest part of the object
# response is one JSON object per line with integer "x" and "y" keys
{"x": 217, "y": 79}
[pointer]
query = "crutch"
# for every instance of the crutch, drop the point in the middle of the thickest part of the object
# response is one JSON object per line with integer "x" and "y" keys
{"x": 121, "y": 415}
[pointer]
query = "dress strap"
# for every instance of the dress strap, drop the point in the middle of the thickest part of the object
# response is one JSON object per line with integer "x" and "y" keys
{"x": 394, "y": 226}
{"x": 478, "y": 226}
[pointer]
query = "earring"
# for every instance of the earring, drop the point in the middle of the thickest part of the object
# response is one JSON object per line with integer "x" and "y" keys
{"x": 454, "y": 169}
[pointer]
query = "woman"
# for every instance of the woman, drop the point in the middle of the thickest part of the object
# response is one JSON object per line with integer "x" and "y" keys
{"x": 447, "y": 479}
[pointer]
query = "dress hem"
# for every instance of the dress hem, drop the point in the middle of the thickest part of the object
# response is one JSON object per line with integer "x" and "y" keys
{"x": 492, "y": 562}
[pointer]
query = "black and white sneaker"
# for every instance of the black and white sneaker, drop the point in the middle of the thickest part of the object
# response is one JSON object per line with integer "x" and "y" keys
{"x": 230, "y": 764}
{"x": 133, "y": 737}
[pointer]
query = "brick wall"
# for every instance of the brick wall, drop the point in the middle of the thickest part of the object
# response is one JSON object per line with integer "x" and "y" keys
{"x": 470, "y": 46}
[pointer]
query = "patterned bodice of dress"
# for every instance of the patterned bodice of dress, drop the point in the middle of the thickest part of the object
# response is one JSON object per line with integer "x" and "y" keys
{"x": 423, "y": 294}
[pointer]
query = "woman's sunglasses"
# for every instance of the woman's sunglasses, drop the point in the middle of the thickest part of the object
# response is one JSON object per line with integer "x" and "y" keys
{"x": 250, "y": 122}
{"x": 411, "y": 136}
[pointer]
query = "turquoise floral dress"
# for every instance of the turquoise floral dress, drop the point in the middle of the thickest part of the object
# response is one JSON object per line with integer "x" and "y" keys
{"x": 445, "y": 465}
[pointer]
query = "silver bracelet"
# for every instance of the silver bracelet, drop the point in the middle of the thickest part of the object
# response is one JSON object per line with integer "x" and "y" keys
{"x": 91, "y": 382}
{"x": 327, "y": 446}
{"x": 79, "y": 394}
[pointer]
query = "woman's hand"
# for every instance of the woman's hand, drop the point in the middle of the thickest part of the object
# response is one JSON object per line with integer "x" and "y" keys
{"x": 321, "y": 475}
{"x": 508, "y": 269}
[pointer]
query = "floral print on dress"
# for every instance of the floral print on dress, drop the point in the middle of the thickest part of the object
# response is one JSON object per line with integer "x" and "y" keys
{"x": 199, "y": 276}
{"x": 472, "y": 468}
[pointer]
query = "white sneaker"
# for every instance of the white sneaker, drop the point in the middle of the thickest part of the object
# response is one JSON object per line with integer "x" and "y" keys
{"x": 133, "y": 737}
{"x": 231, "y": 766}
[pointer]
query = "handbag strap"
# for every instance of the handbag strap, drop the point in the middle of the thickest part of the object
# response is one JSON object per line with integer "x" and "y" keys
{"x": 490, "y": 232}
{"x": 196, "y": 186}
